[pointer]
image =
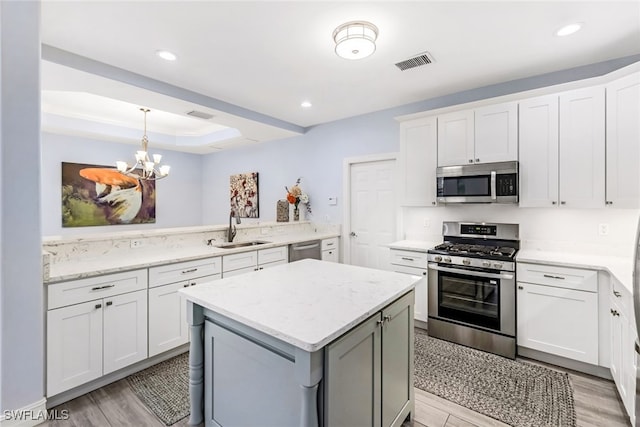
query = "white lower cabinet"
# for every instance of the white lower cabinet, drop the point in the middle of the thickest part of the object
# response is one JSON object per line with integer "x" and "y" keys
{"x": 415, "y": 264}
{"x": 94, "y": 338}
{"x": 330, "y": 250}
{"x": 623, "y": 336}
{"x": 558, "y": 311}
{"x": 168, "y": 326}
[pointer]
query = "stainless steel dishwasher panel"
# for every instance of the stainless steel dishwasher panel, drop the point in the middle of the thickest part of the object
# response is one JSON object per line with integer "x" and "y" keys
{"x": 310, "y": 249}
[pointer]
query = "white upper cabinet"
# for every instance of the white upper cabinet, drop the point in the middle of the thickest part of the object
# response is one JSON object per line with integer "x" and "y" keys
{"x": 484, "y": 135}
{"x": 418, "y": 162}
{"x": 562, "y": 150}
{"x": 623, "y": 142}
{"x": 455, "y": 138}
{"x": 582, "y": 148}
{"x": 496, "y": 133}
{"x": 538, "y": 135}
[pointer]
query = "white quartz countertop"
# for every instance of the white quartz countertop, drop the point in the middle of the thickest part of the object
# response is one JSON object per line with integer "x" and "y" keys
{"x": 145, "y": 257}
{"x": 413, "y": 245}
{"x": 620, "y": 267}
{"x": 307, "y": 303}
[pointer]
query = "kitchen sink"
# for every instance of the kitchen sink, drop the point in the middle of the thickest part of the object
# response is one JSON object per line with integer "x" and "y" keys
{"x": 241, "y": 244}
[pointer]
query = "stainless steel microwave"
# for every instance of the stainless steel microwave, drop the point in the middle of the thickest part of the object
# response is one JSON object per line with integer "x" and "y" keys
{"x": 479, "y": 183}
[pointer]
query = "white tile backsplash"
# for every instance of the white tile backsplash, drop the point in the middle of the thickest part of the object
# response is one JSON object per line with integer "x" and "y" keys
{"x": 557, "y": 229}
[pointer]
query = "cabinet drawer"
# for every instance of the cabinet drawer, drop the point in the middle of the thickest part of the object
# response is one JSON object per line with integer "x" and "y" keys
{"x": 409, "y": 258}
{"x": 561, "y": 277}
{"x": 266, "y": 256}
{"x": 238, "y": 272}
{"x": 328, "y": 244}
{"x": 77, "y": 291}
{"x": 414, "y": 271}
{"x": 622, "y": 297}
{"x": 238, "y": 261}
{"x": 187, "y": 270}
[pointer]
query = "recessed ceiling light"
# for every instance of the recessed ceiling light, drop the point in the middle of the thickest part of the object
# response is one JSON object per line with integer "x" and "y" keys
{"x": 569, "y": 29}
{"x": 165, "y": 54}
{"x": 305, "y": 104}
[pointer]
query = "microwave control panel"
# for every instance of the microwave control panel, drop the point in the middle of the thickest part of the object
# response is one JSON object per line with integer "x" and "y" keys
{"x": 507, "y": 184}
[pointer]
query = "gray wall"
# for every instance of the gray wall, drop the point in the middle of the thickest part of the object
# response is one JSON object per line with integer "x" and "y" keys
{"x": 21, "y": 292}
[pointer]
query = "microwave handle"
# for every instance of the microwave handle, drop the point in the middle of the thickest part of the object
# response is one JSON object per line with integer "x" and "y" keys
{"x": 493, "y": 185}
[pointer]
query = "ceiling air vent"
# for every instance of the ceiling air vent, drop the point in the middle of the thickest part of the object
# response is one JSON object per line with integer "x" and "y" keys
{"x": 417, "y": 61}
{"x": 200, "y": 115}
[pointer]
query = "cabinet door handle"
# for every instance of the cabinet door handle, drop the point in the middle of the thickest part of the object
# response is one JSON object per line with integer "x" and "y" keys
{"x": 477, "y": 160}
{"x": 553, "y": 277}
{"x": 193, "y": 283}
{"x": 615, "y": 312}
{"x": 424, "y": 273}
{"x": 618, "y": 294}
{"x": 98, "y": 288}
{"x": 386, "y": 318}
{"x": 608, "y": 202}
{"x": 98, "y": 306}
{"x": 108, "y": 303}
{"x": 191, "y": 270}
{"x": 407, "y": 259}
{"x": 554, "y": 202}
{"x": 186, "y": 285}
{"x": 563, "y": 202}
{"x": 520, "y": 287}
{"x": 379, "y": 322}
{"x": 470, "y": 160}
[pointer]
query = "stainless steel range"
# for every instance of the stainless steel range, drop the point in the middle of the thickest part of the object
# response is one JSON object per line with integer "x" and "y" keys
{"x": 472, "y": 286}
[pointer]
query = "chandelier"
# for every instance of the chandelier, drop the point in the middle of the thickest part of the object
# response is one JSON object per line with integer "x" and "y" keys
{"x": 148, "y": 169}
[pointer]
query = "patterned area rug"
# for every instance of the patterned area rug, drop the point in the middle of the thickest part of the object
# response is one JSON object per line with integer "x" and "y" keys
{"x": 164, "y": 388}
{"x": 517, "y": 393}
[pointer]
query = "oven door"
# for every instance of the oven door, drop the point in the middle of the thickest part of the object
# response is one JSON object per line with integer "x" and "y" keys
{"x": 480, "y": 299}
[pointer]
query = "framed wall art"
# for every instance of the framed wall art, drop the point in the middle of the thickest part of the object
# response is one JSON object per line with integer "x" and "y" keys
{"x": 100, "y": 195}
{"x": 243, "y": 188}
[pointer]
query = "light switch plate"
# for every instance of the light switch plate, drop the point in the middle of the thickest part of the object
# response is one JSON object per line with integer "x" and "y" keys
{"x": 333, "y": 201}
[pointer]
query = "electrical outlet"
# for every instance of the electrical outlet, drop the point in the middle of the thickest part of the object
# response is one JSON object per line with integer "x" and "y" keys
{"x": 427, "y": 223}
{"x": 603, "y": 229}
{"x": 137, "y": 243}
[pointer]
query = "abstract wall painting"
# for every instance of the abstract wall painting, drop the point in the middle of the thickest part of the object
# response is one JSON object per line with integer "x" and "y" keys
{"x": 244, "y": 195}
{"x": 100, "y": 195}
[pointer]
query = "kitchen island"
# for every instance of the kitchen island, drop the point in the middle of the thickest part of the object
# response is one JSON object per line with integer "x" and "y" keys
{"x": 309, "y": 343}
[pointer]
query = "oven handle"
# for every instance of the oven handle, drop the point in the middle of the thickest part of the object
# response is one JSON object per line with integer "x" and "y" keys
{"x": 434, "y": 266}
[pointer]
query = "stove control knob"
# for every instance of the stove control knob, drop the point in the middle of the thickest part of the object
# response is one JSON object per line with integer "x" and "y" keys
{"x": 497, "y": 265}
{"x": 466, "y": 261}
{"x": 437, "y": 258}
{"x": 486, "y": 264}
{"x": 447, "y": 259}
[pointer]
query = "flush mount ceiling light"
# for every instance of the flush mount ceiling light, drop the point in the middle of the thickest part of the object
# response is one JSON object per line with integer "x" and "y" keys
{"x": 569, "y": 29}
{"x": 355, "y": 40}
{"x": 305, "y": 104}
{"x": 147, "y": 169}
{"x": 165, "y": 54}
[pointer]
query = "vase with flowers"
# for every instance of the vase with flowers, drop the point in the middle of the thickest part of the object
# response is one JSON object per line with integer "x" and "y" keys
{"x": 295, "y": 196}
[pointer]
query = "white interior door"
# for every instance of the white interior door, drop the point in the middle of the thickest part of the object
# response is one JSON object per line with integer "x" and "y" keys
{"x": 372, "y": 213}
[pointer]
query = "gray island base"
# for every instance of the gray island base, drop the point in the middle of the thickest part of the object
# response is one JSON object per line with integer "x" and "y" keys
{"x": 310, "y": 343}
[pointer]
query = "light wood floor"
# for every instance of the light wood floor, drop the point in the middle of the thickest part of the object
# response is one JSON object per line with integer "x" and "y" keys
{"x": 596, "y": 400}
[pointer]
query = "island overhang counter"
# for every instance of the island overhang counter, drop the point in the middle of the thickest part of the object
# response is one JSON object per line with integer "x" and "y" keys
{"x": 310, "y": 343}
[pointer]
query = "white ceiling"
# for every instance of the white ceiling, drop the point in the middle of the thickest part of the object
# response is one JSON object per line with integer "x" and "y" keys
{"x": 269, "y": 56}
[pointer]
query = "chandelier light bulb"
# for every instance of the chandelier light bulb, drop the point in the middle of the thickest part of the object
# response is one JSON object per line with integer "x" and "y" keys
{"x": 145, "y": 168}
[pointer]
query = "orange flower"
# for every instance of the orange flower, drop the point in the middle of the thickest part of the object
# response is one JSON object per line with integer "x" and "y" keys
{"x": 291, "y": 198}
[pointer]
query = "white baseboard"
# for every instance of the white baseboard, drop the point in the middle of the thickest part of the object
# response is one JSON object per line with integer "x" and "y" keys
{"x": 28, "y": 416}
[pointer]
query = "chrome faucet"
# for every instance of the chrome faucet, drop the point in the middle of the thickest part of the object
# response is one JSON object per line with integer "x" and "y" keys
{"x": 231, "y": 232}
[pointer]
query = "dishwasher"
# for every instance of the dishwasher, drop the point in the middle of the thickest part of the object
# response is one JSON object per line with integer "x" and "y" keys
{"x": 302, "y": 250}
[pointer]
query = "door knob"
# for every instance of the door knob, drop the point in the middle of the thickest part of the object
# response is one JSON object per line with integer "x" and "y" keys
{"x": 353, "y": 234}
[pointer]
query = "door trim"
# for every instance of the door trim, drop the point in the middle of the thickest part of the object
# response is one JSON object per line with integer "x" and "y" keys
{"x": 346, "y": 196}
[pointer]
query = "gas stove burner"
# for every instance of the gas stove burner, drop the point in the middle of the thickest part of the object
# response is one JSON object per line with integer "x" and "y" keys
{"x": 475, "y": 249}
